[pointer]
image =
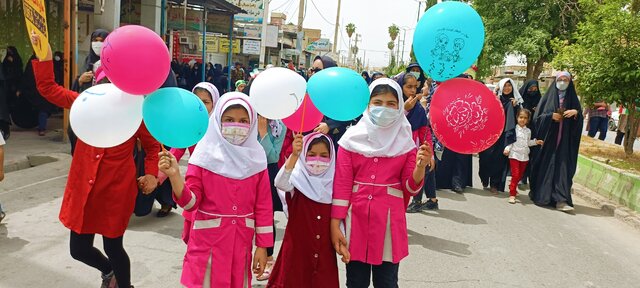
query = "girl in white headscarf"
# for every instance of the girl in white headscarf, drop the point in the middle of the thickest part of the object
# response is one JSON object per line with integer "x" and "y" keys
{"x": 378, "y": 169}
{"x": 227, "y": 188}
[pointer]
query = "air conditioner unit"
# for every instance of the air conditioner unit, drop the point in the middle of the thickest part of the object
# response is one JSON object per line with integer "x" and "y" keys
{"x": 184, "y": 40}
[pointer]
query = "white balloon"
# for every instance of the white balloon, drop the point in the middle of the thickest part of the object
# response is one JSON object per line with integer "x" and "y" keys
{"x": 277, "y": 92}
{"x": 104, "y": 116}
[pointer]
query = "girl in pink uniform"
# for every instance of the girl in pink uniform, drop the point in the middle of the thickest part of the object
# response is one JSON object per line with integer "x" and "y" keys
{"x": 227, "y": 188}
{"x": 377, "y": 167}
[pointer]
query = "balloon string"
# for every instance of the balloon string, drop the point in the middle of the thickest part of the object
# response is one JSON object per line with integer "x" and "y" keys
{"x": 164, "y": 150}
{"x": 304, "y": 110}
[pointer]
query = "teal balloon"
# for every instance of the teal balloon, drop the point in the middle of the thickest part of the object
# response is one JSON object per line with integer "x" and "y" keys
{"x": 175, "y": 117}
{"x": 448, "y": 39}
{"x": 339, "y": 93}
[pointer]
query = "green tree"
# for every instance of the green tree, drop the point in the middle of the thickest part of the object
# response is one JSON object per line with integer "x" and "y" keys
{"x": 525, "y": 27}
{"x": 394, "y": 30}
{"x": 606, "y": 57}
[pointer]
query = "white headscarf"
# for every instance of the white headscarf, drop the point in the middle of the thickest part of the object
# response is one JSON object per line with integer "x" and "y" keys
{"x": 516, "y": 93}
{"x": 217, "y": 155}
{"x": 318, "y": 188}
{"x": 371, "y": 140}
{"x": 215, "y": 94}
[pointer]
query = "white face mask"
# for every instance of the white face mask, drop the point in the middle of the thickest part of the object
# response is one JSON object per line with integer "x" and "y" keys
{"x": 317, "y": 165}
{"x": 562, "y": 85}
{"x": 57, "y": 58}
{"x": 96, "y": 47}
{"x": 415, "y": 74}
{"x": 383, "y": 116}
{"x": 235, "y": 133}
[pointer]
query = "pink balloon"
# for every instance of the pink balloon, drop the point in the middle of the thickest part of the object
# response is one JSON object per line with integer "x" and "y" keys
{"x": 312, "y": 117}
{"x": 135, "y": 59}
{"x": 100, "y": 76}
{"x": 466, "y": 116}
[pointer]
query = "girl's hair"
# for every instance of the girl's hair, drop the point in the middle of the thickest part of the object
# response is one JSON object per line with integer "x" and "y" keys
{"x": 198, "y": 89}
{"x": 321, "y": 140}
{"x": 235, "y": 106}
{"x": 408, "y": 76}
{"x": 525, "y": 111}
{"x": 383, "y": 89}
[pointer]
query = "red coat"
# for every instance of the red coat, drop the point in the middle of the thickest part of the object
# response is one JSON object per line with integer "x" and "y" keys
{"x": 101, "y": 188}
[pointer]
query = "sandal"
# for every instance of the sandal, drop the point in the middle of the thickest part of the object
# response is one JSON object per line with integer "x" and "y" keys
{"x": 267, "y": 271}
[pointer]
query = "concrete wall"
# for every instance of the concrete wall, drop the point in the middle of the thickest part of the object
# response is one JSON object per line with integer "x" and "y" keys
{"x": 612, "y": 183}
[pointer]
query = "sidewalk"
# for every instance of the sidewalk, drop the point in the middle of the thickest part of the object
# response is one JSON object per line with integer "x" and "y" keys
{"x": 26, "y": 149}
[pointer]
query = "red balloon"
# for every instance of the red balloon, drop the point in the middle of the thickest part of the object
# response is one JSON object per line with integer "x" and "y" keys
{"x": 466, "y": 116}
{"x": 312, "y": 117}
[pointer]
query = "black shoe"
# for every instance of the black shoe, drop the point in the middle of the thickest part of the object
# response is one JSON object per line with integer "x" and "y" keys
{"x": 457, "y": 189}
{"x": 414, "y": 207}
{"x": 164, "y": 211}
{"x": 430, "y": 205}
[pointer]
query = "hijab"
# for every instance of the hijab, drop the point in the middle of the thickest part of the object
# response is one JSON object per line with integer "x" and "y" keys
{"x": 213, "y": 91}
{"x": 422, "y": 78}
{"x": 531, "y": 99}
{"x": 417, "y": 116}
{"x": 371, "y": 140}
{"x": 327, "y": 62}
{"x": 12, "y": 69}
{"x": 366, "y": 76}
{"x": 514, "y": 93}
{"x": 217, "y": 155}
{"x": 318, "y": 188}
{"x": 550, "y": 103}
{"x": 93, "y": 57}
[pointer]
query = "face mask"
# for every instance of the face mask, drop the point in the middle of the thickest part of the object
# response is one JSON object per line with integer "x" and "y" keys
{"x": 235, "y": 133}
{"x": 96, "y": 47}
{"x": 383, "y": 116}
{"x": 415, "y": 74}
{"x": 562, "y": 85}
{"x": 57, "y": 58}
{"x": 317, "y": 165}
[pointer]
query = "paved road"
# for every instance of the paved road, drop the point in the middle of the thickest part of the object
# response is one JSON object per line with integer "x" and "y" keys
{"x": 475, "y": 240}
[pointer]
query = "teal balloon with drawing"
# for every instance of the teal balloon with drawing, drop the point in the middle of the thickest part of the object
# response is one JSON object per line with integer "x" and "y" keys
{"x": 339, "y": 93}
{"x": 175, "y": 117}
{"x": 448, "y": 39}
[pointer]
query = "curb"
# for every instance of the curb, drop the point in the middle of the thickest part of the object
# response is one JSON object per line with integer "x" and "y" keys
{"x": 31, "y": 161}
{"x": 618, "y": 211}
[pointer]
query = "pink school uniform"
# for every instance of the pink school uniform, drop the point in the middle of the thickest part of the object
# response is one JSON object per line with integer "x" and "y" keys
{"x": 227, "y": 189}
{"x": 373, "y": 176}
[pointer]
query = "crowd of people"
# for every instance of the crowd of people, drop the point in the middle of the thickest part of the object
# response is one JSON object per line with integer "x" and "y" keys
{"x": 345, "y": 186}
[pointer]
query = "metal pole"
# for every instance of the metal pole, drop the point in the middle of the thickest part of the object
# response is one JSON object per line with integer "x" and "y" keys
{"x": 335, "y": 36}
{"x": 263, "y": 42}
{"x": 67, "y": 55}
{"x": 419, "y": 8}
{"x": 163, "y": 11}
{"x": 404, "y": 40}
{"x": 230, "y": 55}
{"x": 204, "y": 43}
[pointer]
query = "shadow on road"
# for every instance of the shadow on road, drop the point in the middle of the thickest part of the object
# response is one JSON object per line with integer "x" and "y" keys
{"x": 440, "y": 245}
{"x": 170, "y": 225}
{"x": 450, "y": 195}
{"x": 10, "y": 244}
{"x": 457, "y": 216}
{"x": 589, "y": 211}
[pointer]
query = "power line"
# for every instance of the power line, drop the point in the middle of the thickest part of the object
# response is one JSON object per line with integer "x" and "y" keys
{"x": 325, "y": 19}
{"x": 285, "y": 3}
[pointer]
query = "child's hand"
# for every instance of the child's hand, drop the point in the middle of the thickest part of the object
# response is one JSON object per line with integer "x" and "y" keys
{"x": 556, "y": 117}
{"x": 340, "y": 244}
{"x": 297, "y": 144}
{"x": 168, "y": 164}
{"x": 506, "y": 152}
{"x": 36, "y": 42}
{"x": 259, "y": 261}
{"x": 423, "y": 156}
{"x": 147, "y": 183}
{"x": 540, "y": 142}
{"x": 263, "y": 124}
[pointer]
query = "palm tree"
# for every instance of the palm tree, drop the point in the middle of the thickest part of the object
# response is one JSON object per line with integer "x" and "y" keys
{"x": 394, "y": 30}
{"x": 351, "y": 28}
{"x": 391, "y": 45}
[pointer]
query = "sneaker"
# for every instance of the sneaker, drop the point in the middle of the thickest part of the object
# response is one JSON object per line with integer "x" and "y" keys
{"x": 430, "y": 205}
{"x": 562, "y": 206}
{"x": 41, "y": 133}
{"x": 164, "y": 211}
{"x": 457, "y": 189}
{"x": 109, "y": 281}
{"x": 512, "y": 199}
{"x": 494, "y": 190}
{"x": 414, "y": 207}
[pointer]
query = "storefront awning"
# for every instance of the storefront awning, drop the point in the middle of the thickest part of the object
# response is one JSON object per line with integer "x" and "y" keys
{"x": 221, "y": 6}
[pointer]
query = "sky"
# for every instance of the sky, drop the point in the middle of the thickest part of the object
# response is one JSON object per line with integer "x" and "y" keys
{"x": 371, "y": 17}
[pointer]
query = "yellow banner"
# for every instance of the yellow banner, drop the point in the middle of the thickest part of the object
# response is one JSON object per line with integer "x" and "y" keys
{"x": 224, "y": 45}
{"x": 36, "y": 18}
{"x": 212, "y": 44}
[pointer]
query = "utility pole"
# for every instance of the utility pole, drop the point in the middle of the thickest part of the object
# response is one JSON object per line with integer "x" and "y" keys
{"x": 355, "y": 55}
{"x": 335, "y": 36}
{"x": 404, "y": 40}
{"x": 300, "y": 28}
{"x": 364, "y": 58}
{"x": 263, "y": 39}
